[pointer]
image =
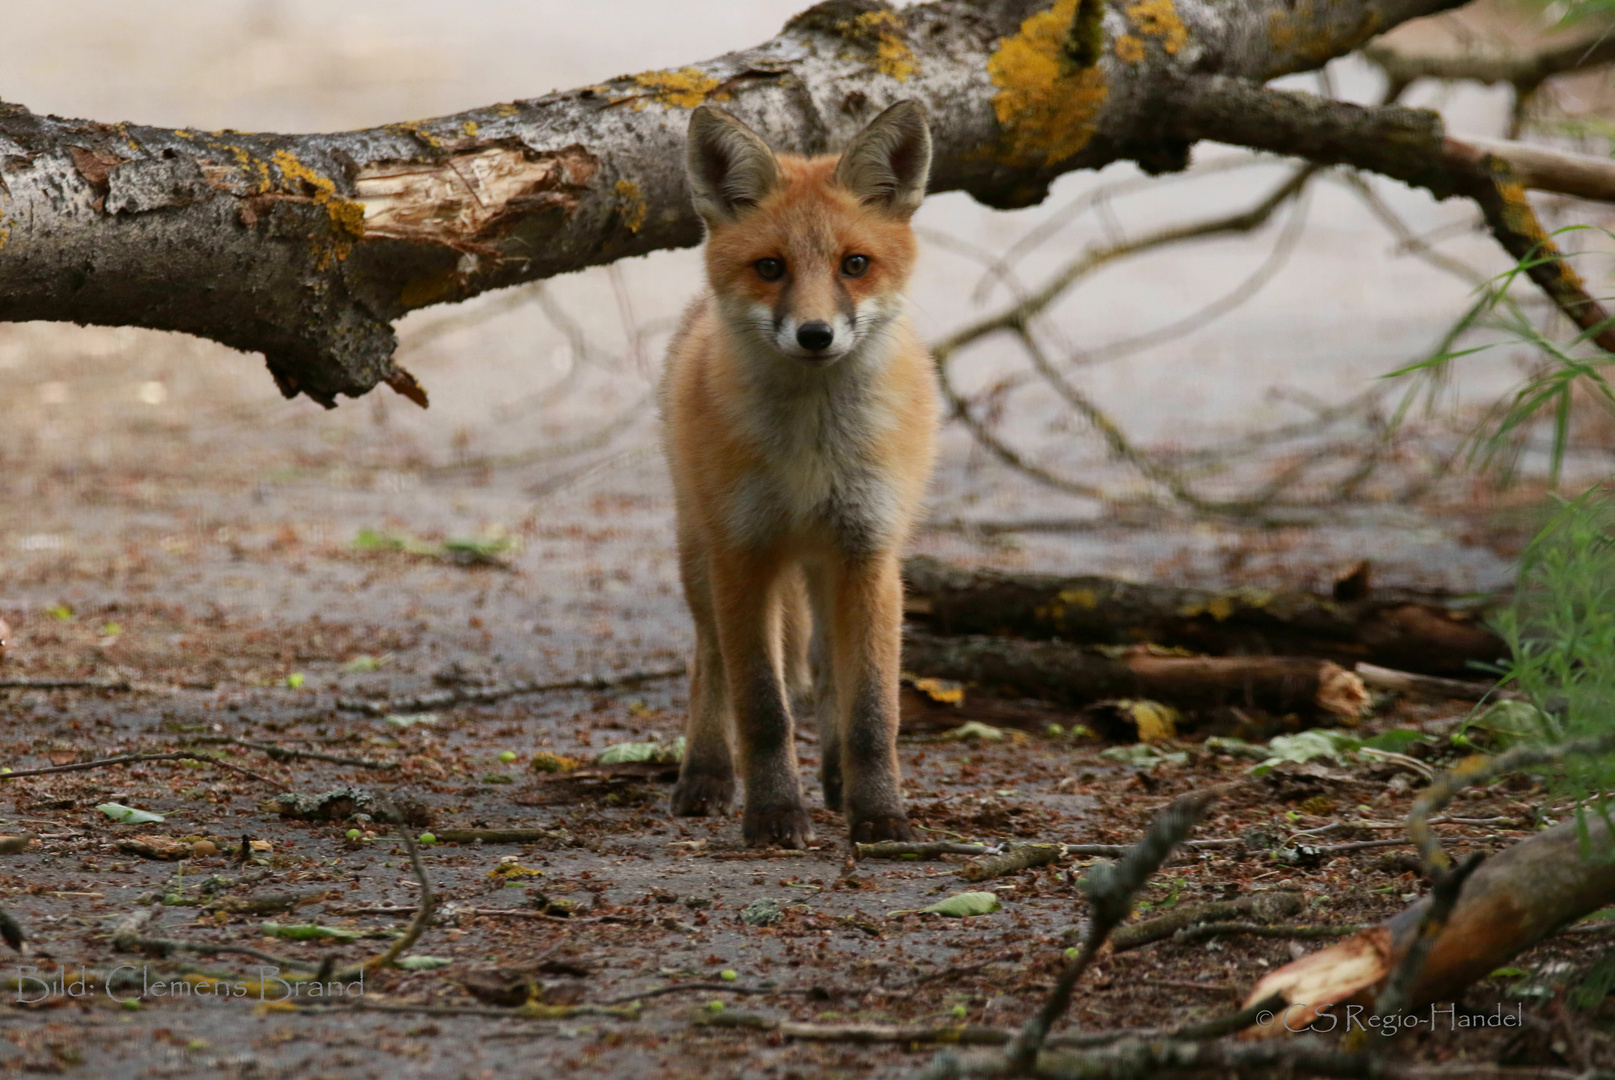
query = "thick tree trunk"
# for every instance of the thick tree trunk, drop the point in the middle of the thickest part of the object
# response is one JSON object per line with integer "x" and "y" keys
{"x": 1395, "y": 630}
{"x": 307, "y": 247}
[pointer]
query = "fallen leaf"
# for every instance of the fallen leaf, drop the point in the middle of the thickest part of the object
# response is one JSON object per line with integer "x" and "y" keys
{"x": 128, "y": 814}
{"x": 972, "y": 730}
{"x": 965, "y": 904}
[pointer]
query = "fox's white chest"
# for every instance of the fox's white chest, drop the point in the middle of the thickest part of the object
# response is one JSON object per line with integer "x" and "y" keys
{"x": 818, "y": 470}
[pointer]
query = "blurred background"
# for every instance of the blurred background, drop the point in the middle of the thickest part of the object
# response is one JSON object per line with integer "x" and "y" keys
{"x": 1247, "y": 367}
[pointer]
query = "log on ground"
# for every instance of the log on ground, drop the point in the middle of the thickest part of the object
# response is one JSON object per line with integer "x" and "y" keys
{"x": 1396, "y": 630}
{"x": 1056, "y": 671}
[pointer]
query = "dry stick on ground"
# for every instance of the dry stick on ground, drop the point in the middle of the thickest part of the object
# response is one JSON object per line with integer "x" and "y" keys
{"x": 1407, "y": 682}
{"x": 1110, "y": 888}
{"x": 135, "y": 759}
{"x": 417, "y": 925}
{"x": 925, "y": 849}
{"x": 289, "y": 753}
{"x": 1206, "y": 931}
{"x": 1514, "y": 899}
{"x": 1269, "y": 907}
{"x": 67, "y": 683}
{"x": 485, "y": 694}
{"x": 1402, "y": 630}
{"x": 1055, "y": 671}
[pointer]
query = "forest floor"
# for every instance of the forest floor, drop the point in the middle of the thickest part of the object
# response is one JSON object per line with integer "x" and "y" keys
{"x": 242, "y": 600}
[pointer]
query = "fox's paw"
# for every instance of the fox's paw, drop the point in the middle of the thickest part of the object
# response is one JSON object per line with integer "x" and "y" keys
{"x": 703, "y": 795}
{"x": 777, "y": 826}
{"x": 877, "y": 827}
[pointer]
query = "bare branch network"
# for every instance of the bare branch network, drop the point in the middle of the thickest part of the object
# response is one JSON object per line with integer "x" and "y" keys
{"x": 306, "y": 248}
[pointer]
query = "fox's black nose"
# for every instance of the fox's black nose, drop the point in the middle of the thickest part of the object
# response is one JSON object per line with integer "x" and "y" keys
{"x": 815, "y": 335}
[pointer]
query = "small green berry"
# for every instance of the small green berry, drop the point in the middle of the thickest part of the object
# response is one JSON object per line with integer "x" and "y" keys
{"x": 507, "y": 757}
{"x": 427, "y": 838}
{"x": 714, "y": 1006}
{"x": 960, "y": 1012}
{"x": 1071, "y": 953}
{"x": 354, "y": 834}
{"x": 728, "y": 974}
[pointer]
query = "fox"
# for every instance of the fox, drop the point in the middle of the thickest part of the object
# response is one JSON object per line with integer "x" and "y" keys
{"x": 800, "y": 414}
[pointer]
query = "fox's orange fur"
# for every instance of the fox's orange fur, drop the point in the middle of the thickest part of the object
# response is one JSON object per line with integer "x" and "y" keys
{"x": 801, "y": 416}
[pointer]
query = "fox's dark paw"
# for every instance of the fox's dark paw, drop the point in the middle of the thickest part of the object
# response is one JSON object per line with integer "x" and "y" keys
{"x": 877, "y": 827}
{"x": 702, "y": 795}
{"x": 777, "y": 826}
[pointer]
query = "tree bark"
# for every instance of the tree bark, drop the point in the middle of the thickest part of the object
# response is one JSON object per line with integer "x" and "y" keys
{"x": 1394, "y": 630}
{"x": 1514, "y": 900}
{"x": 306, "y": 247}
{"x": 1055, "y": 671}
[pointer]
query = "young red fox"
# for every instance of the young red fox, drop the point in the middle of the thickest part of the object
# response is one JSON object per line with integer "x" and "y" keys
{"x": 801, "y": 418}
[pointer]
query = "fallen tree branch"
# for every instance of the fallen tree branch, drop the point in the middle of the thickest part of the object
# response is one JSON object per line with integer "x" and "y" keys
{"x": 1514, "y": 899}
{"x": 1395, "y": 629}
{"x": 1055, "y": 671}
{"x": 136, "y": 759}
{"x": 307, "y": 247}
{"x": 483, "y": 695}
{"x": 1269, "y": 907}
{"x": 1406, "y": 682}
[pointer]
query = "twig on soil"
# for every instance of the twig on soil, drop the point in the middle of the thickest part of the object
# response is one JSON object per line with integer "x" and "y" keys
{"x": 135, "y": 759}
{"x": 1019, "y": 857}
{"x": 417, "y": 925}
{"x": 704, "y": 987}
{"x": 498, "y": 836}
{"x": 1111, "y": 888}
{"x": 484, "y": 694}
{"x": 1269, "y": 907}
{"x": 1406, "y": 682}
{"x": 163, "y": 946}
{"x": 66, "y": 684}
{"x": 532, "y": 1010}
{"x": 290, "y": 753}
{"x": 1204, "y": 931}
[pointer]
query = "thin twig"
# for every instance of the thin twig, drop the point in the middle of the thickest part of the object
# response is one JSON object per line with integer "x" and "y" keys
{"x": 288, "y": 753}
{"x": 1111, "y": 888}
{"x": 135, "y": 759}
{"x": 485, "y": 694}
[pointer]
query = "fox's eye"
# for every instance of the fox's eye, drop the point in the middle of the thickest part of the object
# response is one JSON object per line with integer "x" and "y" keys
{"x": 769, "y": 269}
{"x": 855, "y": 265}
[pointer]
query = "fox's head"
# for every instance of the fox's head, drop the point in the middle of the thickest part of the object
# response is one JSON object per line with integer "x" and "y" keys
{"x": 809, "y": 257}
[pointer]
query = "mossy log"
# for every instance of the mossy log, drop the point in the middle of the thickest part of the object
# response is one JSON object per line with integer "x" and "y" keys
{"x": 1057, "y": 671}
{"x": 1403, "y": 631}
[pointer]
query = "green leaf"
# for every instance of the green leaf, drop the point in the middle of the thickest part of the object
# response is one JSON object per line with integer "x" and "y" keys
{"x": 1307, "y": 746}
{"x": 308, "y": 932}
{"x": 626, "y": 753}
{"x": 423, "y": 963}
{"x": 1143, "y": 755}
{"x": 965, "y": 904}
{"x": 128, "y": 814}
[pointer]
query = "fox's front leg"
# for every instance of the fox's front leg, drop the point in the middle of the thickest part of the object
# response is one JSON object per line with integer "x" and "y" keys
{"x": 746, "y": 602}
{"x": 707, "y": 775}
{"x": 867, "y": 646}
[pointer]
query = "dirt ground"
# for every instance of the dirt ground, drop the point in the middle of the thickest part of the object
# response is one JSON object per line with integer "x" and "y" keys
{"x": 209, "y": 549}
{"x": 242, "y": 563}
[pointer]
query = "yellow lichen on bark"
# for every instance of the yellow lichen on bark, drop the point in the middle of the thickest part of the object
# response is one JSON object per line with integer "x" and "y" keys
{"x": 892, "y": 54}
{"x": 1302, "y": 36}
{"x": 1046, "y": 105}
{"x": 633, "y": 204}
{"x": 1159, "y": 19}
{"x": 682, "y": 89}
{"x": 1129, "y": 49}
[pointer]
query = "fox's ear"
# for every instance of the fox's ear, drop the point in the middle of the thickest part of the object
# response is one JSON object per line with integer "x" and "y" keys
{"x": 730, "y": 168}
{"x": 888, "y": 162}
